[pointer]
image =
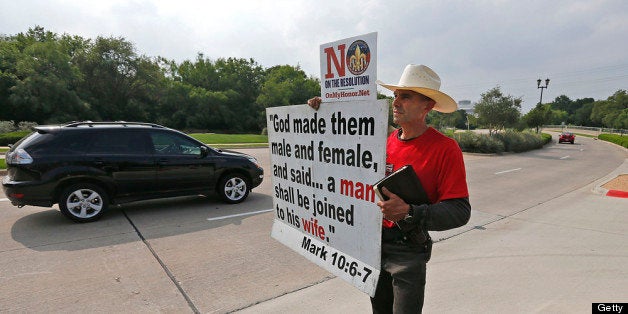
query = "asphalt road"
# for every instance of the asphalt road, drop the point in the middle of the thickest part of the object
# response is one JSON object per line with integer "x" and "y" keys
{"x": 199, "y": 255}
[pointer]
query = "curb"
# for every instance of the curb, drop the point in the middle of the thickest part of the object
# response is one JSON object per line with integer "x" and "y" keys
{"x": 612, "y": 193}
{"x": 617, "y": 193}
{"x": 598, "y": 189}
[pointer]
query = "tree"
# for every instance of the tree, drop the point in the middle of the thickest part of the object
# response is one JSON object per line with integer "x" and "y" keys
{"x": 213, "y": 95}
{"x": 563, "y": 103}
{"x": 456, "y": 119}
{"x": 496, "y": 111}
{"x": 201, "y": 73}
{"x": 285, "y": 85}
{"x": 9, "y": 54}
{"x": 42, "y": 79}
{"x": 110, "y": 68}
{"x": 621, "y": 120}
{"x": 605, "y": 112}
{"x": 582, "y": 116}
{"x": 558, "y": 117}
{"x": 537, "y": 117}
{"x": 241, "y": 79}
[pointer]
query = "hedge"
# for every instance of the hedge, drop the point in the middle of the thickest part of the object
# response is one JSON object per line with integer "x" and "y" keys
{"x": 508, "y": 141}
{"x": 12, "y": 137}
{"x": 614, "y": 138}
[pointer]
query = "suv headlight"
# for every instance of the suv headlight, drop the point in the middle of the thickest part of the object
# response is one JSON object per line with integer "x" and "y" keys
{"x": 19, "y": 157}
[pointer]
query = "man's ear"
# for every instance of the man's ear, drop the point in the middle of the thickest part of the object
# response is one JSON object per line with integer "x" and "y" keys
{"x": 430, "y": 105}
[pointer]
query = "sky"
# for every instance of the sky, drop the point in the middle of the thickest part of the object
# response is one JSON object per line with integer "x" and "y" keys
{"x": 474, "y": 46}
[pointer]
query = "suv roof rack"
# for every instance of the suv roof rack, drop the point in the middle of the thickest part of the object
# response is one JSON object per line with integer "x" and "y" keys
{"x": 122, "y": 123}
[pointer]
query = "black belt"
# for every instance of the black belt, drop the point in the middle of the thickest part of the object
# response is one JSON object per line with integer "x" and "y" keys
{"x": 395, "y": 235}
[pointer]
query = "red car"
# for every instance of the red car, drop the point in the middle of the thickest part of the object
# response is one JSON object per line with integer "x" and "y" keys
{"x": 566, "y": 137}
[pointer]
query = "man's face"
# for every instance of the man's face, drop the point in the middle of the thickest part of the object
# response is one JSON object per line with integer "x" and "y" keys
{"x": 410, "y": 107}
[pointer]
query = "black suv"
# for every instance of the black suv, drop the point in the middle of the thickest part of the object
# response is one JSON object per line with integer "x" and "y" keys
{"x": 86, "y": 166}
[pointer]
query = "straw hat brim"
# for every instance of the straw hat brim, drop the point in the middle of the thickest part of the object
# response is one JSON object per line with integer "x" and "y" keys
{"x": 444, "y": 103}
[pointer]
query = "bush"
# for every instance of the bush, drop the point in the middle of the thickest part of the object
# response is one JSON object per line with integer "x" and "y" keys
{"x": 478, "y": 143}
{"x": 614, "y": 138}
{"x": 520, "y": 141}
{"x": 509, "y": 141}
{"x": 12, "y": 137}
{"x": 7, "y": 126}
{"x": 26, "y": 126}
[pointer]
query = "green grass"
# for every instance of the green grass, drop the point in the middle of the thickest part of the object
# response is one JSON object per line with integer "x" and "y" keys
{"x": 3, "y": 164}
{"x": 231, "y": 140}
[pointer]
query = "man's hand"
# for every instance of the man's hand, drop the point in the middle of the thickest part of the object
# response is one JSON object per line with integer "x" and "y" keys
{"x": 394, "y": 209}
{"x": 314, "y": 102}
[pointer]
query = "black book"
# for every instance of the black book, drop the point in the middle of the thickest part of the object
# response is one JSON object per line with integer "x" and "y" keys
{"x": 405, "y": 183}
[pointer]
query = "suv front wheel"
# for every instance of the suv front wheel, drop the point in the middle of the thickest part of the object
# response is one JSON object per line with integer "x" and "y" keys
{"x": 233, "y": 188}
{"x": 83, "y": 202}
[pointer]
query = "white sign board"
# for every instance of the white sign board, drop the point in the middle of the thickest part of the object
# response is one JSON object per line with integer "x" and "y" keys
{"x": 349, "y": 69}
{"x": 323, "y": 165}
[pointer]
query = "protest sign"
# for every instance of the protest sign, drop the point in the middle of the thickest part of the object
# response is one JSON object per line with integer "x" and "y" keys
{"x": 349, "y": 69}
{"x": 323, "y": 165}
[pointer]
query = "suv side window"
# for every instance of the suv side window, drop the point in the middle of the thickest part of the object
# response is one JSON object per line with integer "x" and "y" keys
{"x": 120, "y": 142}
{"x": 71, "y": 142}
{"x": 166, "y": 143}
{"x": 35, "y": 142}
{"x": 66, "y": 142}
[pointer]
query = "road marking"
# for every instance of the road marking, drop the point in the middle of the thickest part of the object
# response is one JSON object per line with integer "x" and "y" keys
{"x": 506, "y": 171}
{"x": 564, "y": 157}
{"x": 238, "y": 215}
{"x": 4, "y": 199}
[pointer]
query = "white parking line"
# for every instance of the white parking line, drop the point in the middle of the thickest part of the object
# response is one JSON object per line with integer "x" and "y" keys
{"x": 564, "y": 157}
{"x": 4, "y": 199}
{"x": 238, "y": 215}
{"x": 506, "y": 171}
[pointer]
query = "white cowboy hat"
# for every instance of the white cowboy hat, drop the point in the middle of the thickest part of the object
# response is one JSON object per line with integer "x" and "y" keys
{"x": 423, "y": 80}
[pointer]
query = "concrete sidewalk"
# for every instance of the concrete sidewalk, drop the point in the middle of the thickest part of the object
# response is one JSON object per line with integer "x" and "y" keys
{"x": 558, "y": 257}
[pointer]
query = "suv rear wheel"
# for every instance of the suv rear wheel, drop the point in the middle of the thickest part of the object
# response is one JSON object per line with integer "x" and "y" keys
{"x": 233, "y": 188}
{"x": 83, "y": 202}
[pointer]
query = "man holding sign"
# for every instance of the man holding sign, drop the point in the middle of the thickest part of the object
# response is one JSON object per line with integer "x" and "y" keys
{"x": 438, "y": 163}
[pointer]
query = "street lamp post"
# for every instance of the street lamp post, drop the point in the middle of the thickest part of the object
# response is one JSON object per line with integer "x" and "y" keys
{"x": 538, "y": 85}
